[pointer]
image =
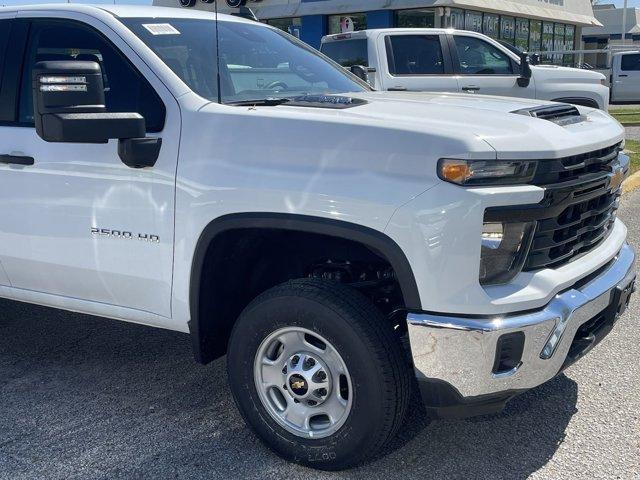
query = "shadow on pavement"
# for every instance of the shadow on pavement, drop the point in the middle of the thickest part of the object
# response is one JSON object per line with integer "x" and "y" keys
{"x": 82, "y": 397}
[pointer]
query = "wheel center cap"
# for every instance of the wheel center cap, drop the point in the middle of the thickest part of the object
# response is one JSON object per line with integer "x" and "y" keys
{"x": 298, "y": 385}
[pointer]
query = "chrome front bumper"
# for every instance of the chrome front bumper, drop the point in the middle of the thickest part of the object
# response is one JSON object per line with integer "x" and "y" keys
{"x": 461, "y": 351}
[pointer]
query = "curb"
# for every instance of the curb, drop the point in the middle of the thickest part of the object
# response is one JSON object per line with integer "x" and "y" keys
{"x": 630, "y": 124}
{"x": 631, "y": 183}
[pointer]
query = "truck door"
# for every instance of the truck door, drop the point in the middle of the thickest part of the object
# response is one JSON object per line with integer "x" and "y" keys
{"x": 483, "y": 68}
{"x": 5, "y": 108}
{"x": 415, "y": 62}
{"x": 626, "y": 78}
{"x": 76, "y": 222}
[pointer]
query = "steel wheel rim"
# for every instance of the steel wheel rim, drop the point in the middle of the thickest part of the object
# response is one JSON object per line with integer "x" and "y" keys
{"x": 288, "y": 373}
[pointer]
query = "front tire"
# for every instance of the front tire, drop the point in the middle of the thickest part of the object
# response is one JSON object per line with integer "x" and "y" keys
{"x": 319, "y": 373}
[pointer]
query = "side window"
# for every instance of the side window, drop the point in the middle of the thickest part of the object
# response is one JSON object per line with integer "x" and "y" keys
{"x": 126, "y": 90}
{"x": 5, "y": 31}
{"x": 631, "y": 63}
{"x": 347, "y": 52}
{"x": 478, "y": 57}
{"x": 414, "y": 55}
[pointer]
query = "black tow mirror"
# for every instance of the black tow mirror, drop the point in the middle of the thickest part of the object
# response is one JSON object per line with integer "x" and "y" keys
{"x": 69, "y": 105}
{"x": 360, "y": 71}
{"x": 525, "y": 71}
{"x": 534, "y": 59}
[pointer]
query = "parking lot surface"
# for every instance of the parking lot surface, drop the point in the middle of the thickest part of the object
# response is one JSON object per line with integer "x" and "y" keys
{"x": 88, "y": 398}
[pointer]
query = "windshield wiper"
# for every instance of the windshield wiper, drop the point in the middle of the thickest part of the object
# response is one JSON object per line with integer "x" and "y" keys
{"x": 262, "y": 102}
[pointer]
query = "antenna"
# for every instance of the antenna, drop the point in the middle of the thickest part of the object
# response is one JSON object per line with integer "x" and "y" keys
{"x": 218, "y": 54}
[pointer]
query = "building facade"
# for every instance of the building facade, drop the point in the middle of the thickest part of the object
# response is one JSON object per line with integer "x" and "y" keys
{"x": 531, "y": 25}
{"x": 609, "y": 35}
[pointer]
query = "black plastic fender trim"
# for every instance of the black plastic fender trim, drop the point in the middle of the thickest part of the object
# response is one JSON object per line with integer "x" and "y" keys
{"x": 373, "y": 239}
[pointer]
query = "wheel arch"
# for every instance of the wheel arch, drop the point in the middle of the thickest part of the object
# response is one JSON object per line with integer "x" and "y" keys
{"x": 206, "y": 347}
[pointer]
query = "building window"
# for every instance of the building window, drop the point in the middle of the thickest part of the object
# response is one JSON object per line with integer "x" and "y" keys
{"x": 547, "y": 38}
{"x": 522, "y": 34}
{"x": 290, "y": 25}
{"x": 491, "y": 25}
{"x": 418, "y": 18}
{"x": 597, "y": 60}
{"x": 535, "y": 35}
{"x": 507, "y": 29}
{"x": 347, "y": 23}
{"x": 456, "y": 20}
{"x": 558, "y": 42}
{"x": 569, "y": 44}
{"x": 473, "y": 21}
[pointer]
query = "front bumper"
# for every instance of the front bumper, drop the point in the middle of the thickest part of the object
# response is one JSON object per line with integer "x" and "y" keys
{"x": 464, "y": 353}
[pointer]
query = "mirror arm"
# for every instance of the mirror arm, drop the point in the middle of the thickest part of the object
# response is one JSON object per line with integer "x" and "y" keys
{"x": 139, "y": 152}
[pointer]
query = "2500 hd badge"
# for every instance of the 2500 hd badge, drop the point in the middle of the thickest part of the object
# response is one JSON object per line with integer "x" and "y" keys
{"x": 107, "y": 232}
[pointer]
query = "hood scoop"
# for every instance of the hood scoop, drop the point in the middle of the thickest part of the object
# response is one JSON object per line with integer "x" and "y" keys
{"x": 560, "y": 114}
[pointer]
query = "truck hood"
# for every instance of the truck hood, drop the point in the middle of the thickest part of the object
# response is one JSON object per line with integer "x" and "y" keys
{"x": 564, "y": 75}
{"x": 491, "y": 119}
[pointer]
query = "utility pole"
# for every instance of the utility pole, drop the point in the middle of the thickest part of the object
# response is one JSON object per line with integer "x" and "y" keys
{"x": 624, "y": 23}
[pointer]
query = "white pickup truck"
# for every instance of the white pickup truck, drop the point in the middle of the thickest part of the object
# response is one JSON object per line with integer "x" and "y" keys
{"x": 438, "y": 60}
{"x": 625, "y": 77}
{"x": 223, "y": 179}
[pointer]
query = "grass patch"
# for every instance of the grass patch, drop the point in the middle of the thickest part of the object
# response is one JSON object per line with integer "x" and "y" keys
{"x": 632, "y": 149}
{"x": 626, "y": 115}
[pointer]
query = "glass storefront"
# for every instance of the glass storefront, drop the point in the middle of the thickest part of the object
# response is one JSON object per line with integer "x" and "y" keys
{"x": 349, "y": 22}
{"x": 526, "y": 34}
{"x": 529, "y": 35}
{"x": 418, "y": 18}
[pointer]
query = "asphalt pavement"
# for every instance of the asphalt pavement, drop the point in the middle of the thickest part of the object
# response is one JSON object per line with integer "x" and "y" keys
{"x": 89, "y": 398}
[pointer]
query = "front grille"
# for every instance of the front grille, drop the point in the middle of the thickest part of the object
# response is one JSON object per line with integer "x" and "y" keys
{"x": 578, "y": 211}
{"x": 579, "y": 228}
{"x": 576, "y": 167}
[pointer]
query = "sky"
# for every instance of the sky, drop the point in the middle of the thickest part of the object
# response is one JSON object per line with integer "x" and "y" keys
{"x": 631, "y": 3}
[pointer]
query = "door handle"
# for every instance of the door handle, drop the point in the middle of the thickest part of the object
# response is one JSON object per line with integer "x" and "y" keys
{"x": 397, "y": 89}
{"x": 470, "y": 89}
{"x": 623, "y": 75}
{"x": 16, "y": 159}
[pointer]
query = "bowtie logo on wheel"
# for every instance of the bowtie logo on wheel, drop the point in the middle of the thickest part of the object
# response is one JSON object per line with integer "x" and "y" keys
{"x": 230, "y": 3}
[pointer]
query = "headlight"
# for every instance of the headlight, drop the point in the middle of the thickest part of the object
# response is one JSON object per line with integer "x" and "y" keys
{"x": 486, "y": 172}
{"x": 504, "y": 250}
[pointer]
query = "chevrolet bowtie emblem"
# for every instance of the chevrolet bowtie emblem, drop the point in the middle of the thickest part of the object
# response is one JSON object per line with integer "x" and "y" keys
{"x": 297, "y": 385}
{"x": 617, "y": 179}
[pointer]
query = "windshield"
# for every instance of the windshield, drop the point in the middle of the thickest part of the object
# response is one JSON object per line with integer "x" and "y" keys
{"x": 256, "y": 62}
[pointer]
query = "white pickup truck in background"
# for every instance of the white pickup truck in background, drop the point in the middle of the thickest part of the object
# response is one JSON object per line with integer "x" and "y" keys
{"x": 459, "y": 61}
{"x": 625, "y": 77}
